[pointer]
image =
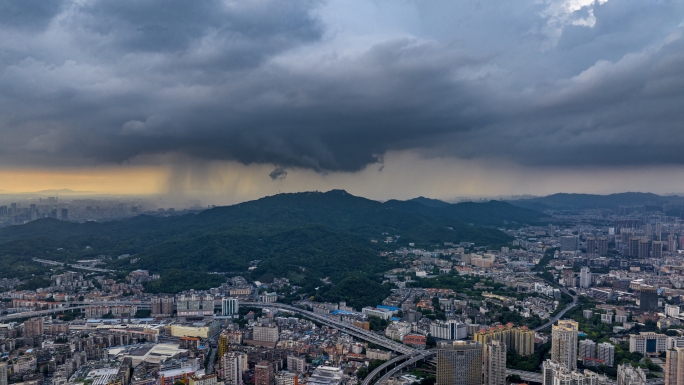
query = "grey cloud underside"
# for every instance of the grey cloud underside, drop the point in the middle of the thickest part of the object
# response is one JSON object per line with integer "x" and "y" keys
{"x": 255, "y": 82}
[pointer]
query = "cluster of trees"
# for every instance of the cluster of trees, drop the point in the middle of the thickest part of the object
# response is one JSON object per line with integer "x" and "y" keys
{"x": 364, "y": 371}
{"x": 357, "y": 290}
{"x": 531, "y": 363}
{"x": 377, "y": 323}
{"x": 176, "y": 280}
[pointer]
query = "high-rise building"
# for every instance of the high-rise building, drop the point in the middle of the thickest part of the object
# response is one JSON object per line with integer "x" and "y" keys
{"x": 569, "y": 243}
{"x": 591, "y": 245}
{"x": 647, "y": 342}
{"x": 657, "y": 249}
{"x": 644, "y": 248}
{"x": 606, "y": 353}
{"x": 459, "y": 363}
{"x": 671, "y": 243}
{"x": 33, "y": 327}
{"x": 603, "y": 246}
{"x": 162, "y": 306}
{"x": 585, "y": 277}
{"x": 564, "y": 343}
{"x": 263, "y": 373}
{"x": 230, "y": 306}
{"x": 3, "y": 373}
{"x": 231, "y": 368}
{"x": 518, "y": 339}
{"x": 674, "y": 366}
{"x": 494, "y": 368}
{"x": 587, "y": 349}
{"x": 634, "y": 246}
{"x": 449, "y": 330}
{"x": 548, "y": 367}
{"x": 65, "y": 214}
{"x": 629, "y": 375}
{"x": 648, "y": 298}
{"x": 265, "y": 333}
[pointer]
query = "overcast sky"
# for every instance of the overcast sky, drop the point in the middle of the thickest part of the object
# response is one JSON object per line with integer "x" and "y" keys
{"x": 383, "y": 98}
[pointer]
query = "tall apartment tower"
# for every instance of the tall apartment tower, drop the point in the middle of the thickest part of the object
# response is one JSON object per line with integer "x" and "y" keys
{"x": 494, "y": 366}
{"x": 674, "y": 366}
{"x": 231, "y": 368}
{"x": 587, "y": 349}
{"x": 459, "y": 363}
{"x": 648, "y": 298}
{"x": 569, "y": 243}
{"x": 564, "y": 343}
{"x": 3, "y": 373}
{"x": 671, "y": 243}
{"x": 659, "y": 231}
{"x": 591, "y": 245}
{"x": 606, "y": 353}
{"x": 585, "y": 277}
{"x": 263, "y": 373}
{"x": 33, "y": 327}
{"x": 644, "y": 248}
{"x": 603, "y": 246}
{"x": 657, "y": 249}
{"x": 548, "y": 369}
{"x": 162, "y": 306}
{"x": 230, "y": 306}
{"x": 634, "y": 246}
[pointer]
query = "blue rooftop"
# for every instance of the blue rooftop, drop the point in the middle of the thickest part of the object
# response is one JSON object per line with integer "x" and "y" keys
{"x": 392, "y": 308}
{"x": 336, "y": 312}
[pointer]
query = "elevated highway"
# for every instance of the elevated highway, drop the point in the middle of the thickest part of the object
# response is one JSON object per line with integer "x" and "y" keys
{"x": 346, "y": 327}
{"x": 70, "y": 306}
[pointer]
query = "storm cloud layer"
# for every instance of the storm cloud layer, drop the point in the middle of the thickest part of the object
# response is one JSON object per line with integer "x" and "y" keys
{"x": 334, "y": 85}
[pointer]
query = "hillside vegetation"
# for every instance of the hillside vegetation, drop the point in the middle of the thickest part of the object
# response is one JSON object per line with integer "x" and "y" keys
{"x": 303, "y": 236}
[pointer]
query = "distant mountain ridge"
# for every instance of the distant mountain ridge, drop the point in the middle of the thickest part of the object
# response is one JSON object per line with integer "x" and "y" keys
{"x": 579, "y": 201}
{"x": 429, "y": 202}
{"x": 492, "y": 213}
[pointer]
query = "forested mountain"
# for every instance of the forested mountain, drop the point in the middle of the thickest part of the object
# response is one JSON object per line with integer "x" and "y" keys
{"x": 492, "y": 213}
{"x": 303, "y": 236}
{"x": 583, "y": 201}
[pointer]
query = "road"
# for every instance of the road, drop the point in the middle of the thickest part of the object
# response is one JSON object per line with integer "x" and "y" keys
{"x": 356, "y": 331}
{"x": 561, "y": 314}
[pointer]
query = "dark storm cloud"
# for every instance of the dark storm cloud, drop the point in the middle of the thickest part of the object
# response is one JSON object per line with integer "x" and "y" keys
{"x": 28, "y": 14}
{"x": 268, "y": 81}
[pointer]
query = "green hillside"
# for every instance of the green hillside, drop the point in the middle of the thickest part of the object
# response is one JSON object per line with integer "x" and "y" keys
{"x": 582, "y": 201}
{"x": 303, "y": 236}
{"x": 492, "y": 213}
